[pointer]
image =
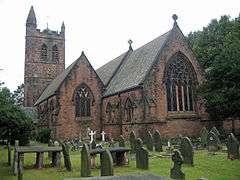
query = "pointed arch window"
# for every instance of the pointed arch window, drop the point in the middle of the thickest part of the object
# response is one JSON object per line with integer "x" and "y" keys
{"x": 180, "y": 80}
{"x": 83, "y": 100}
{"x": 55, "y": 53}
{"x": 44, "y": 52}
{"x": 129, "y": 110}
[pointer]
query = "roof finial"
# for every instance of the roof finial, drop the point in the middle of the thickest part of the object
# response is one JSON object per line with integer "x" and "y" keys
{"x": 175, "y": 17}
{"x": 130, "y": 44}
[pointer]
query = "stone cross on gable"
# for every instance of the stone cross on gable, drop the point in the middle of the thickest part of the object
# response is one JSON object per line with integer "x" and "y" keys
{"x": 103, "y": 136}
{"x": 91, "y": 134}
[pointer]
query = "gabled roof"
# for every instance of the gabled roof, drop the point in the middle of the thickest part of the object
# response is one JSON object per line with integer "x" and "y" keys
{"x": 55, "y": 84}
{"x": 135, "y": 67}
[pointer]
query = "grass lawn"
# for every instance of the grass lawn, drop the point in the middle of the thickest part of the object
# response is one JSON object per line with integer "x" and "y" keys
{"x": 216, "y": 167}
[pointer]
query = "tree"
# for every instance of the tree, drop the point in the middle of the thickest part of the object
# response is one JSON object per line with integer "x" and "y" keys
{"x": 18, "y": 95}
{"x": 13, "y": 122}
{"x": 218, "y": 49}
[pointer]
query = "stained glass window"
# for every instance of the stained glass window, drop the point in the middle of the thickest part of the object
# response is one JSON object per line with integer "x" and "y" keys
{"x": 180, "y": 81}
{"x": 83, "y": 99}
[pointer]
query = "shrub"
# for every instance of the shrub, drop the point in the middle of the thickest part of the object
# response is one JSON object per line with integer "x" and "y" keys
{"x": 44, "y": 135}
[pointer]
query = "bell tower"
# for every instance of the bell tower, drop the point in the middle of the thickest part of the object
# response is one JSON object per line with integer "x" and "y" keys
{"x": 44, "y": 58}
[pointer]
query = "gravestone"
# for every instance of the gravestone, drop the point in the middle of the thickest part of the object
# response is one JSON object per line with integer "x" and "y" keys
{"x": 121, "y": 141}
{"x": 157, "y": 141}
{"x": 233, "y": 147}
{"x": 15, "y": 159}
{"x": 213, "y": 142}
{"x": 20, "y": 169}
{"x": 186, "y": 149}
{"x": 106, "y": 164}
{"x": 176, "y": 172}
{"x": 50, "y": 144}
{"x": 132, "y": 140}
{"x": 85, "y": 162}
{"x": 215, "y": 131}
{"x": 204, "y": 135}
{"x": 9, "y": 153}
{"x": 93, "y": 144}
{"x": 149, "y": 141}
{"x": 66, "y": 156}
{"x": 141, "y": 155}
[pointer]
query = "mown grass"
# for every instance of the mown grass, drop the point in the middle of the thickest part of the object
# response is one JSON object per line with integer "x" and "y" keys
{"x": 216, "y": 167}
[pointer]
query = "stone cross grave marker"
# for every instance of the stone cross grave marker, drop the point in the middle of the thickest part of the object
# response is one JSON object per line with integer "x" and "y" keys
{"x": 103, "y": 136}
{"x": 186, "y": 149}
{"x": 149, "y": 141}
{"x": 91, "y": 134}
{"x": 176, "y": 172}
{"x": 85, "y": 162}
{"x": 142, "y": 161}
{"x": 213, "y": 142}
{"x": 106, "y": 164}
{"x": 204, "y": 135}
{"x": 157, "y": 141}
{"x": 233, "y": 147}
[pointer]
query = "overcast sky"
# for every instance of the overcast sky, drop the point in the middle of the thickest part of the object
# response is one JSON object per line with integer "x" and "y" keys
{"x": 99, "y": 27}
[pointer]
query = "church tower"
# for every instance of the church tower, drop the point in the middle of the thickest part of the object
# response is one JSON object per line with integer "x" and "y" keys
{"x": 44, "y": 58}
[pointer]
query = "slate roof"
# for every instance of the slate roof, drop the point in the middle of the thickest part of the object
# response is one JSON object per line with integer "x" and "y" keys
{"x": 136, "y": 66}
{"x": 55, "y": 84}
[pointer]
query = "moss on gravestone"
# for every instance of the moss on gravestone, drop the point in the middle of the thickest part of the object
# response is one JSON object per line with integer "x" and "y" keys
{"x": 157, "y": 141}
{"x": 186, "y": 149}
{"x": 66, "y": 157}
{"x": 204, "y": 135}
{"x": 149, "y": 141}
{"x": 85, "y": 162}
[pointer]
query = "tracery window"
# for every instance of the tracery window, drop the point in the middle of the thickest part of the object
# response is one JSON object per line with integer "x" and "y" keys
{"x": 109, "y": 112}
{"x": 129, "y": 110}
{"x": 180, "y": 81}
{"x": 44, "y": 52}
{"x": 83, "y": 99}
{"x": 55, "y": 54}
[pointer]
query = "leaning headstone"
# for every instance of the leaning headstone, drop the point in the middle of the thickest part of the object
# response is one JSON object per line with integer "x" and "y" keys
{"x": 176, "y": 172}
{"x": 149, "y": 141}
{"x": 15, "y": 159}
{"x": 186, "y": 149}
{"x": 9, "y": 153}
{"x": 132, "y": 140}
{"x": 215, "y": 131}
{"x": 204, "y": 135}
{"x": 141, "y": 155}
{"x": 66, "y": 156}
{"x": 93, "y": 144}
{"x": 233, "y": 147}
{"x": 106, "y": 164}
{"x": 213, "y": 142}
{"x": 121, "y": 141}
{"x": 157, "y": 141}
{"x": 85, "y": 162}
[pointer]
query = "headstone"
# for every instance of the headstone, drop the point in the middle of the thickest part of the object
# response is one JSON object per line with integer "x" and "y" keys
{"x": 215, "y": 131}
{"x": 9, "y": 153}
{"x": 176, "y": 172}
{"x": 66, "y": 156}
{"x": 103, "y": 136}
{"x": 91, "y": 134}
{"x": 15, "y": 159}
{"x": 157, "y": 141}
{"x": 106, "y": 164}
{"x": 204, "y": 135}
{"x": 213, "y": 142}
{"x": 20, "y": 169}
{"x": 132, "y": 139}
{"x": 149, "y": 141}
{"x": 93, "y": 144}
{"x": 85, "y": 162}
{"x": 121, "y": 141}
{"x": 141, "y": 155}
{"x": 233, "y": 147}
{"x": 50, "y": 143}
{"x": 186, "y": 149}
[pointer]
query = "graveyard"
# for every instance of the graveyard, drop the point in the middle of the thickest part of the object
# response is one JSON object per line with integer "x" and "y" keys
{"x": 180, "y": 160}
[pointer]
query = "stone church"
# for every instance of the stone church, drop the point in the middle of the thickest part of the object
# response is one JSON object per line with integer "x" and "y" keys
{"x": 145, "y": 89}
